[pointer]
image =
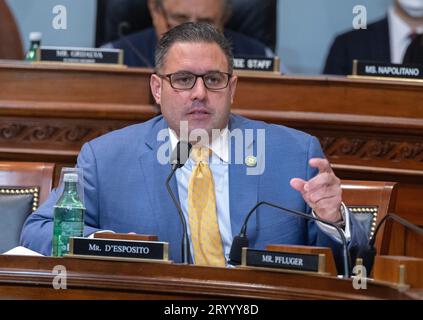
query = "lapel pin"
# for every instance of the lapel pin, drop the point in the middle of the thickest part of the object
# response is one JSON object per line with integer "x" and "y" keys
{"x": 250, "y": 161}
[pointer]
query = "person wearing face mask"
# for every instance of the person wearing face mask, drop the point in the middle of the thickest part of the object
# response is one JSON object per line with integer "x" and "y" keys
{"x": 397, "y": 38}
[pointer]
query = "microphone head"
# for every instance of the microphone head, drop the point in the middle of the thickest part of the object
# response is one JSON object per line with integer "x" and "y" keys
{"x": 180, "y": 154}
{"x": 235, "y": 255}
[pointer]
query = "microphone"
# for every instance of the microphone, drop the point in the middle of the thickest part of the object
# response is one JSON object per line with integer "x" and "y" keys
{"x": 241, "y": 240}
{"x": 123, "y": 26}
{"x": 178, "y": 158}
{"x": 368, "y": 253}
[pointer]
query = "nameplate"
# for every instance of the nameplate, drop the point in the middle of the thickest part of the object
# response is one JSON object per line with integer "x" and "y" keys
{"x": 387, "y": 70}
{"x": 126, "y": 249}
{"x": 282, "y": 260}
{"x": 256, "y": 64}
{"x": 80, "y": 55}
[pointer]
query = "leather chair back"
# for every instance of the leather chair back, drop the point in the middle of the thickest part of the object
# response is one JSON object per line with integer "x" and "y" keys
{"x": 370, "y": 201}
{"x": 23, "y": 186}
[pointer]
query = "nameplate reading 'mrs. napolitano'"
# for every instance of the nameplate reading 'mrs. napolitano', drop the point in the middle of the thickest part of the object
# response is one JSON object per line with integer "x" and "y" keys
{"x": 119, "y": 249}
{"x": 387, "y": 70}
{"x": 280, "y": 260}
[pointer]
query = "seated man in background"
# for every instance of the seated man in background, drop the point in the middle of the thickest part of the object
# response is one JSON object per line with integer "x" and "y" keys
{"x": 124, "y": 177}
{"x": 139, "y": 47}
{"x": 398, "y": 38}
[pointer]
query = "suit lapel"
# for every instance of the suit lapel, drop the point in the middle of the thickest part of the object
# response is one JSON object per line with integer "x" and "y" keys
{"x": 381, "y": 46}
{"x": 243, "y": 188}
{"x": 155, "y": 175}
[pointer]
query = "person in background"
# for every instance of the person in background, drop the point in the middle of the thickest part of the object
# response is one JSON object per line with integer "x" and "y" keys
{"x": 139, "y": 47}
{"x": 397, "y": 38}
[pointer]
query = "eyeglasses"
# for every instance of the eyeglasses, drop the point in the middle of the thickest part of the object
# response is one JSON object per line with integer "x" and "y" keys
{"x": 184, "y": 80}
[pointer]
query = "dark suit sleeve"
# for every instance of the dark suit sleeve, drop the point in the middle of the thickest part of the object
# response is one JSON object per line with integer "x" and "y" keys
{"x": 37, "y": 232}
{"x": 337, "y": 61}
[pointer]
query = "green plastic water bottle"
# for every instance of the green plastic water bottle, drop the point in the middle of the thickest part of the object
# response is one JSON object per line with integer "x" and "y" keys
{"x": 68, "y": 216}
{"x": 34, "y": 43}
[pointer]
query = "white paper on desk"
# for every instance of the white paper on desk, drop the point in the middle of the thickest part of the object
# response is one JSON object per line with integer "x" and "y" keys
{"x": 22, "y": 251}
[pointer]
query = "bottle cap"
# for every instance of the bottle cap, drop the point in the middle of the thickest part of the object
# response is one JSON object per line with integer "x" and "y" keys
{"x": 35, "y": 36}
{"x": 70, "y": 177}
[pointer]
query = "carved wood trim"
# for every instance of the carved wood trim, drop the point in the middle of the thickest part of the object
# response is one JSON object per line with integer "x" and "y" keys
{"x": 371, "y": 148}
{"x": 69, "y": 133}
{"x": 56, "y": 132}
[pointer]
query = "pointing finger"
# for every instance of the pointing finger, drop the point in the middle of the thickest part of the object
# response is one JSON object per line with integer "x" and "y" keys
{"x": 321, "y": 164}
{"x": 298, "y": 184}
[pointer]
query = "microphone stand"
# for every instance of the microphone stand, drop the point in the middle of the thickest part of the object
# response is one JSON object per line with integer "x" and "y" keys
{"x": 178, "y": 162}
{"x": 242, "y": 238}
{"x": 368, "y": 254}
{"x": 399, "y": 220}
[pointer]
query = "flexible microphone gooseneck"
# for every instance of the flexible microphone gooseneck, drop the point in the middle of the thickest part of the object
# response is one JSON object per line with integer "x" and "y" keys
{"x": 368, "y": 253}
{"x": 122, "y": 26}
{"x": 397, "y": 218}
{"x": 241, "y": 240}
{"x": 179, "y": 156}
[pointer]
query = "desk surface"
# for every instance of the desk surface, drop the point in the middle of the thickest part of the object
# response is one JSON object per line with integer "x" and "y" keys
{"x": 32, "y": 278}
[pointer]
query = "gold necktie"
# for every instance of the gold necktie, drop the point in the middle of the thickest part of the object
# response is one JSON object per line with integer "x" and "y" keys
{"x": 205, "y": 234}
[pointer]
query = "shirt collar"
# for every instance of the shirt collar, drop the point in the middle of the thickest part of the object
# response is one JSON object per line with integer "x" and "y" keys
{"x": 399, "y": 35}
{"x": 219, "y": 146}
{"x": 402, "y": 29}
{"x": 397, "y": 26}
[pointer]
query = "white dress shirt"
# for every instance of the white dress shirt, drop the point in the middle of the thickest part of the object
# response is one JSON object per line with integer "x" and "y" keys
{"x": 399, "y": 35}
{"x": 219, "y": 166}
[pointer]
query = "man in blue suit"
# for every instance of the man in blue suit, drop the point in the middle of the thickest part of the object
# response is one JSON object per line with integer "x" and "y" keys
{"x": 251, "y": 161}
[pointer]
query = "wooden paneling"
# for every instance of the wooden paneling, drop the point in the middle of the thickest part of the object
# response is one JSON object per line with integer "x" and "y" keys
{"x": 32, "y": 278}
{"x": 369, "y": 129}
{"x": 49, "y": 82}
{"x": 338, "y": 95}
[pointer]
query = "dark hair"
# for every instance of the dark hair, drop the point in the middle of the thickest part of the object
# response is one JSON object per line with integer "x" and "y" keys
{"x": 192, "y": 32}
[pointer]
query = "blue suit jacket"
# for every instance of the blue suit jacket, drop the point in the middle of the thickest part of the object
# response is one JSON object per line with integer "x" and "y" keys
{"x": 125, "y": 189}
{"x": 367, "y": 44}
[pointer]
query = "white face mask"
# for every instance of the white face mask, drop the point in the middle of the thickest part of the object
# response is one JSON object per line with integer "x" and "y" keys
{"x": 414, "y": 8}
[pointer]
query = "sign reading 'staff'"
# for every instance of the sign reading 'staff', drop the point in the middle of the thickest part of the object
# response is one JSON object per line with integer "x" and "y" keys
{"x": 256, "y": 63}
